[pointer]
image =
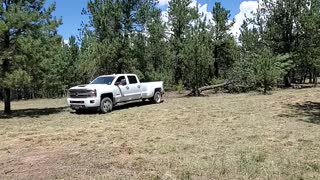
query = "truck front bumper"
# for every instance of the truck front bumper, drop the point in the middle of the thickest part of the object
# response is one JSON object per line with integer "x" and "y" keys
{"x": 83, "y": 103}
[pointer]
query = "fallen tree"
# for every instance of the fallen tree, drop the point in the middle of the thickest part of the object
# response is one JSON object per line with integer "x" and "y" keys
{"x": 206, "y": 88}
{"x": 198, "y": 91}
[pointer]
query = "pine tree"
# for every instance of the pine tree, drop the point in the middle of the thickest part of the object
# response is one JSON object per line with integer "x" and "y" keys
{"x": 22, "y": 24}
{"x": 72, "y": 50}
{"x": 116, "y": 24}
{"x": 180, "y": 17}
{"x": 157, "y": 51}
{"x": 222, "y": 41}
{"x": 268, "y": 69}
{"x": 307, "y": 53}
{"x": 283, "y": 29}
{"x": 197, "y": 55}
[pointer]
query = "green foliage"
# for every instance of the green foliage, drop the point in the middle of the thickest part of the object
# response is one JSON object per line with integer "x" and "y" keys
{"x": 16, "y": 78}
{"x": 180, "y": 87}
{"x": 216, "y": 81}
{"x": 268, "y": 69}
{"x": 242, "y": 77}
{"x": 180, "y": 16}
{"x": 222, "y": 42}
{"x": 27, "y": 31}
{"x": 196, "y": 56}
{"x": 280, "y": 42}
{"x": 115, "y": 29}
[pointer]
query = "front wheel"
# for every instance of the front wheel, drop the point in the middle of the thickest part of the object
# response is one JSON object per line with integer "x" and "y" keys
{"x": 106, "y": 105}
{"x": 157, "y": 97}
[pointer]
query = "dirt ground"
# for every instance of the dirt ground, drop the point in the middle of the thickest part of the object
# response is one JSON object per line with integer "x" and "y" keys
{"x": 244, "y": 136}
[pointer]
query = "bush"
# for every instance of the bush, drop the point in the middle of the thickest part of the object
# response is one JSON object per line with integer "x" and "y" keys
{"x": 216, "y": 81}
{"x": 241, "y": 78}
{"x": 180, "y": 87}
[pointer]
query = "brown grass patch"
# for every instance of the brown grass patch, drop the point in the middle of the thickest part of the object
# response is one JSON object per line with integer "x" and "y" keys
{"x": 246, "y": 136}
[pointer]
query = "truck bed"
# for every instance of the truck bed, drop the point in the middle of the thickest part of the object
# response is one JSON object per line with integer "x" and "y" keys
{"x": 147, "y": 88}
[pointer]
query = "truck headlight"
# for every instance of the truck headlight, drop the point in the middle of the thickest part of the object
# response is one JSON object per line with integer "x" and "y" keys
{"x": 93, "y": 93}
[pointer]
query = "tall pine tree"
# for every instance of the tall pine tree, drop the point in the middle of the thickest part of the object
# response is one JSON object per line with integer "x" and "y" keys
{"x": 23, "y": 23}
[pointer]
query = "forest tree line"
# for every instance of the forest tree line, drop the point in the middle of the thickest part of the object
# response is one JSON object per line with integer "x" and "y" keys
{"x": 279, "y": 45}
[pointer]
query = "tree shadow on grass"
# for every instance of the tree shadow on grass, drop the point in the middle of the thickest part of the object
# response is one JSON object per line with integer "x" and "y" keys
{"x": 118, "y": 107}
{"x": 309, "y": 110}
{"x": 132, "y": 105}
{"x": 33, "y": 113}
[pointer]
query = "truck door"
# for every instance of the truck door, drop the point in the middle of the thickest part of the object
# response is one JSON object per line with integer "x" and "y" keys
{"x": 122, "y": 92}
{"x": 134, "y": 87}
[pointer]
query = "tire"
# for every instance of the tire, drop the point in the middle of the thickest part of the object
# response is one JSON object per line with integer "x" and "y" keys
{"x": 106, "y": 105}
{"x": 157, "y": 97}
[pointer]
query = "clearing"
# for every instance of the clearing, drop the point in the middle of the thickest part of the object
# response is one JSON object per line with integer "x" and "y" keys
{"x": 244, "y": 136}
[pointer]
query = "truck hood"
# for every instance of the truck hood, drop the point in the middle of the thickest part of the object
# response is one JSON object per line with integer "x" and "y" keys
{"x": 92, "y": 86}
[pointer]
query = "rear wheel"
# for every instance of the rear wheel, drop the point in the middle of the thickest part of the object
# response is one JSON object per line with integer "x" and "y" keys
{"x": 106, "y": 105}
{"x": 157, "y": 97}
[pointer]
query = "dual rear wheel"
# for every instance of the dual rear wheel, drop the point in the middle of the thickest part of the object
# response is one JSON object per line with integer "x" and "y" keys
{"x": 157, "y": 97}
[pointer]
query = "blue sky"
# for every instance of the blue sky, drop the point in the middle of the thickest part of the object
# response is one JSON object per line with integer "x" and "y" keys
{"x": 70, "y": 12}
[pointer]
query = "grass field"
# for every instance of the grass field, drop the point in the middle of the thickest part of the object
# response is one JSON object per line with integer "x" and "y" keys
{"x": 245, "y": 136}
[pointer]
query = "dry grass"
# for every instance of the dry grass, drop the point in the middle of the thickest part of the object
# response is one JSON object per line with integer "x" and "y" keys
{"x": 245, "y": 136}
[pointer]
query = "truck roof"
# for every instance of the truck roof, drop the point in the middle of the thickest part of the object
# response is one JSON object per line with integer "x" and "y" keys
{"x": 118, "y": 75}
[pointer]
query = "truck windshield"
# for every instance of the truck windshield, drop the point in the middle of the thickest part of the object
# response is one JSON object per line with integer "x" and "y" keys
{"x": 103, "y": 80}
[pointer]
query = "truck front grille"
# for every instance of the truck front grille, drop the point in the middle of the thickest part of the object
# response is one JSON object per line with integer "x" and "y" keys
{"x": 77, "y": 102}
{"x": 79, "y": 93}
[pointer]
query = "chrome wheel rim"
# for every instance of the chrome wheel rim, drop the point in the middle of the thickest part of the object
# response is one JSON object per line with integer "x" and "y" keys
{"x": 157, "y": 97}
{"x": 107, "y": 106}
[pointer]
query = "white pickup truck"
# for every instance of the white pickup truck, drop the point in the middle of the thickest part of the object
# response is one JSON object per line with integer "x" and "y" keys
{"x": 106, "y": 91}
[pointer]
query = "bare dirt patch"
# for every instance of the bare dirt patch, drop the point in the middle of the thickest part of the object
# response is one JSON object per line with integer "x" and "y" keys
{"x": 245, "y": 136}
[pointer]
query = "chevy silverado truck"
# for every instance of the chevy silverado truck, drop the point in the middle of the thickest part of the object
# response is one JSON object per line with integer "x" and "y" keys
{"x": 103, "y": 93}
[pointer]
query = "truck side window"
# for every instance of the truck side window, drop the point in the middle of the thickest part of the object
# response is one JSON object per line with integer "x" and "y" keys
{"x": 132, "y": 80}
{"x": 120, "y": 79}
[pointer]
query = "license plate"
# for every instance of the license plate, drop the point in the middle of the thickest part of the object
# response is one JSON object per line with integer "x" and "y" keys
{"x": 76, "y": 107}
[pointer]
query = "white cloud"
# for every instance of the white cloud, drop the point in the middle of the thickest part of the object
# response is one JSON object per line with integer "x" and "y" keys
{"x": 246, "y": 9}
{"x": 65, "y": 41}
{"x": 203, "y": 9}
{"x": 164, "y": 16}
{"x": 163, "y": 2}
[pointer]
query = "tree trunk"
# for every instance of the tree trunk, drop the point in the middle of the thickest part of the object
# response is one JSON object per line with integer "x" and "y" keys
{"x": 6, "y": 91}
{"x": 314, "y": 76}
{"x": 310, "y": 77}
{"x": 5, "y": 70}
{"x": 205, "y": 88}
{"x": 178, "y": 72}
{"x": 1, "y": 94}
{"x": 216, "y": 69}
{"x": 265, "y": 90}
{"x": 177, "y": 68}
{"x": 286, "y": 79}
{"x": 7, "y": 100}
{"x": 216, "y": 64}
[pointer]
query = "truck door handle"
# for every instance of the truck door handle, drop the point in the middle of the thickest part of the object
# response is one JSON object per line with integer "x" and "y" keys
{"x": 138, "y": 86}
{"x": 127, "y": 87}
